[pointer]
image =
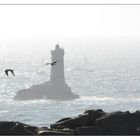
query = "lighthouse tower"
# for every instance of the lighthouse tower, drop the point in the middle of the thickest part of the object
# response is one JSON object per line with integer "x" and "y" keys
{"x": 59, "y": 88}
{"x": 57, "y": 70}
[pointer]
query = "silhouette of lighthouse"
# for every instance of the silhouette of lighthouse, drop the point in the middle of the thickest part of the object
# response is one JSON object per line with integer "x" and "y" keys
{"x": 60, "y": 89}
{"x": 57, "y": 70}
{"x": 55, "y": 88}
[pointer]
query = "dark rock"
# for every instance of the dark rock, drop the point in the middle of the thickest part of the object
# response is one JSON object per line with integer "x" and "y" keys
{"x": 68, "y": 131}
{"x": 64, "y": 119}
{"x": 121, "y": 123}
{"x": 138, "y": 130}
{"x": 94, "y": 114}
{"x": 91, "y": 122}
{"x": 93, "y": 130}
{"x": 51, "y": 133}
{"x": 42, "y": 129}
{"x": 137, "y": 112}
{"x": 72, "y": 123}
{"x": 16, "y": 128}
{"x": 86, "y": 119}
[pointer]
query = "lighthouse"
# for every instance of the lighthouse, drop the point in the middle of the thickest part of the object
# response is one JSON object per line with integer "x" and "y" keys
{"x": 56, "y": 88}
{"x": 60, "y": 89}
{"x": 57, "y": 70}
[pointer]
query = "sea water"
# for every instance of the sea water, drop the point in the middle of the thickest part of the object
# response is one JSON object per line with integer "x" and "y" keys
{"x": 101, "y": 82}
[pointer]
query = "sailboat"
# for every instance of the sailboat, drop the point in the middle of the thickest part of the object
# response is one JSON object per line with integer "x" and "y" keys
{"x": 86, "y": 66}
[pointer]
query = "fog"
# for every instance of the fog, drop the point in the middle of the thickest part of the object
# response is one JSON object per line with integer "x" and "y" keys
{"x": 109, "y": 31}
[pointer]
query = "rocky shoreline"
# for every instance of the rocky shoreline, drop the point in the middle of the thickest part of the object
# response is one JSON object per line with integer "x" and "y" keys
{"x": 91, "y": 122}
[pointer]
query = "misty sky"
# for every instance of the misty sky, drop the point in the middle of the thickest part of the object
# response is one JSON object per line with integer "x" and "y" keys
{"x": 36, "y": 27}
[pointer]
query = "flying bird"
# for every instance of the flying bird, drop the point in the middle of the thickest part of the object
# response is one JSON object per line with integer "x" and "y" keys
{"x": 9, "y": 70}
{"x": 53, "y": 63}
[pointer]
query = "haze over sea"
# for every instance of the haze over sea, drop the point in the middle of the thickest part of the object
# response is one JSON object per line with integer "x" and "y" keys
{"x": 104, "y": 77}
{"x": 107, "y": 36}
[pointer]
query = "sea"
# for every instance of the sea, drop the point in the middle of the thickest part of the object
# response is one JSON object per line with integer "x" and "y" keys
{"x": 108, "y": 81}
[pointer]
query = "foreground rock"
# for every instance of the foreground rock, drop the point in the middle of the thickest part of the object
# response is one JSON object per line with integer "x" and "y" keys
{"x": 16, "y": 128}
{"x": 21, "y": 129}
{"x": 91, "y": 122}
{"x": 98, "y": 122}
{"x": 88, "y": 118}
{"x": 121, "y": 123}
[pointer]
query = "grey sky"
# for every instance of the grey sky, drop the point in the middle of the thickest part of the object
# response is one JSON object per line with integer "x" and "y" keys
{"x": 71, "y": 26}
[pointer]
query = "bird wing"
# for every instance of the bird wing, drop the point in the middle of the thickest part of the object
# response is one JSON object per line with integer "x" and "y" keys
{"x": 13, "y": 73}
{"x": 54, "y": 62}
{"x": 47, "y": 63}
{"x": 6, "y": 72}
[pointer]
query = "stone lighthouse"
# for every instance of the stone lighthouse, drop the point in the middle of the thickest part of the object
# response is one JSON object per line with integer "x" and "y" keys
{"x": 55, "y": 88}
{"x": 60, "y": 89}
{"x": 57, "y": 70}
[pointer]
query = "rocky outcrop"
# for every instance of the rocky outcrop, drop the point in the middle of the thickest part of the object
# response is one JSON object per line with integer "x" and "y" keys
{"x": 91, "y": 122}
{"x": 86, "y": 119}
{"x": 16, "y": 128}
{"x": 121, "y": 123}
{"x": 21, "y": 129}
{"x": 98, "y": 122}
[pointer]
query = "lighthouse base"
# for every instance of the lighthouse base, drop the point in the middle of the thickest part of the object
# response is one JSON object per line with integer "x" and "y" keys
{"x": 47, "y": 90}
